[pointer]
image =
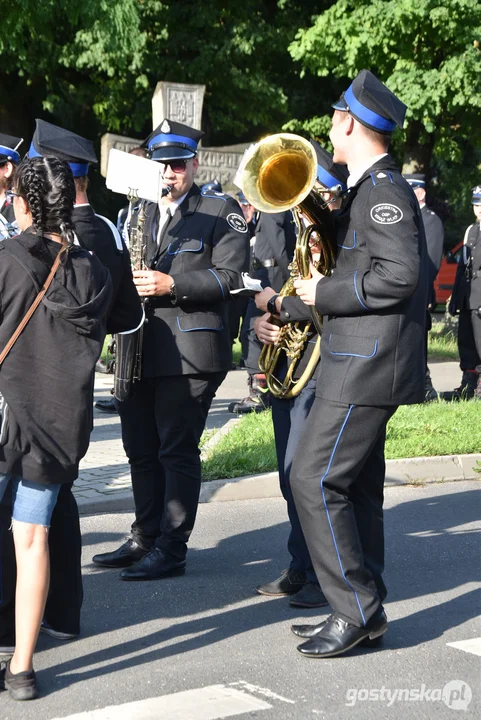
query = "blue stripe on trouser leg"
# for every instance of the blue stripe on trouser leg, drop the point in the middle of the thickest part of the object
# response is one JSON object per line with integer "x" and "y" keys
{"x": 329, "y": 517}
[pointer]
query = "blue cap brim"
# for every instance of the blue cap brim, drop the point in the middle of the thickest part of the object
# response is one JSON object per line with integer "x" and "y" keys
{"x": 170, "y": 152}
{"x": 340, "y": 105}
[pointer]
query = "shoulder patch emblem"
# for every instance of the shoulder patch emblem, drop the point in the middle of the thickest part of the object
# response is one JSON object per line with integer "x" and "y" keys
{"x": 386, "y": 214}
{"x": 237, "y": 222}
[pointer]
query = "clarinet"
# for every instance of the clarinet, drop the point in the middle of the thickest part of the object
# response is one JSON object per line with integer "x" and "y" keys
{"x": 128, "y": 346}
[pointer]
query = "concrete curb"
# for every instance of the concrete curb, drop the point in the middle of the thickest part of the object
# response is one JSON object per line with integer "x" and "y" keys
{"x": 411, "y": 471}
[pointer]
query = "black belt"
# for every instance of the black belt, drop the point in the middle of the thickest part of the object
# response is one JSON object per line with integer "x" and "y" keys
{"x": 258, "y": 264}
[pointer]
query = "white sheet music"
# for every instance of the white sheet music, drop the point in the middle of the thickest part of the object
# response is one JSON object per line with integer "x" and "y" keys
{"x": 251, "y": 286}
{"x": 131, "y": 174}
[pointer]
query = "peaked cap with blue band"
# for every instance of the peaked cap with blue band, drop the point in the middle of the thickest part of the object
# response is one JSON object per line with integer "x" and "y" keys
{"x": 372, "y": 104}
{"x": 416, "y": 180}
{"x": 55, "y": 141}
{"x": 172, "y": 141}
{"x": 8, "y": 148}
{"x": 329, "y": 173}
{"x": 476, "y": 195}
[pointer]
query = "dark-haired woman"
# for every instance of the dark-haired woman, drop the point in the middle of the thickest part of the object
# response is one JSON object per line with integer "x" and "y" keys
{"x": 49, "y": 370}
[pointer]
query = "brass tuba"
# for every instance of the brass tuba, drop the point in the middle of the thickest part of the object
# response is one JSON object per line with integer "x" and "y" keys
{"x": 280, "y": 173}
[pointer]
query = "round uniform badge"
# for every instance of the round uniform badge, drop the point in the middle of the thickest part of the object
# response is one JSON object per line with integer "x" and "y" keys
{"x": 386, "y": 214}
{"x": 237, "y": 222}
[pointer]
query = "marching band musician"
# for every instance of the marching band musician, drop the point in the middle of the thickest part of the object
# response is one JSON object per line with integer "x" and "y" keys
{"x": 373, "y": 359}
{"x": 9, "y": 158}
{"x": 196, "y": 247}
{"x": 289, "y": 415}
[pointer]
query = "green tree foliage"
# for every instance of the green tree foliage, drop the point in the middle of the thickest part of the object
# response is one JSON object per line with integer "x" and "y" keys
{"x": 428, "y": 52}
{"x": 95, "y": 64}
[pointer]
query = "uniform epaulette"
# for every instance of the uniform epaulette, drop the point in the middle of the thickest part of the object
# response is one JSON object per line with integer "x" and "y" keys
{"x": 215, "y": 195}
{"x": 378, "y": 178}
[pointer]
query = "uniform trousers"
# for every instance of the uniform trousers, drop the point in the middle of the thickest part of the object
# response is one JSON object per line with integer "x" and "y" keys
{"x": 161, "y": 428}
{"x": 337, "y": 482}
{"x": 65, "y": 595}
{"x": 289, "y": 417}
{"x": 469, "y": 353}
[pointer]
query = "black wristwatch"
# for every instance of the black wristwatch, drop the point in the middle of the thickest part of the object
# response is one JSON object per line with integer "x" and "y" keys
{"x": 271, "y": 305}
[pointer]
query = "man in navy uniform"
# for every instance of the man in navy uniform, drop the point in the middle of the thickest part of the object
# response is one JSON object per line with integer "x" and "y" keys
{"x": 290, "y": 415}
{"x": 9, "y": 157}
{"x": 196, "y": 247}
{"x": 434, "y": 231}
{"x": 272, "y": 249}
{"x": 373, "y": 359}
{"x": 466, "y": 301}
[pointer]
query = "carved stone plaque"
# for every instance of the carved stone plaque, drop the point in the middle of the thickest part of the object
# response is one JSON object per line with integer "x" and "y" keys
{"x": 119, "y": 142}
{"x": 179, "y": 102}
{"x": 220, "y": 163}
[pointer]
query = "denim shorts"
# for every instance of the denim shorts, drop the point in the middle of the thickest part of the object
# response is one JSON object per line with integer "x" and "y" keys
{"x": 32, "y": 502}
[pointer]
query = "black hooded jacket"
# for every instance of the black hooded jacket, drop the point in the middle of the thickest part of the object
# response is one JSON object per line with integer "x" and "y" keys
{"x": 47, "y": 378}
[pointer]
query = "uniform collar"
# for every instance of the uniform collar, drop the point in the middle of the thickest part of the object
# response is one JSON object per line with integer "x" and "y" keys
{"x": 355, "y": 177}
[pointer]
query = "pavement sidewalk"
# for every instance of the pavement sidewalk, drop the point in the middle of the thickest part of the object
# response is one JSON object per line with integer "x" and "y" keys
{"x": 104, "y": 482}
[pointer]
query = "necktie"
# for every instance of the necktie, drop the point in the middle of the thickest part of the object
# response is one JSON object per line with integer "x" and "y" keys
{"x": 164, "y": 220}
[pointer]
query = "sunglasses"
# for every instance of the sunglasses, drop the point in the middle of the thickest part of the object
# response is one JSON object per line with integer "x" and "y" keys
{"x": 177, "y": 166}
{"x": 9, "y": 194}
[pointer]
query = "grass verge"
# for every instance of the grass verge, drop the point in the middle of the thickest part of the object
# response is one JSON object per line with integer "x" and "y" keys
{"x": 438, "y": 428}
{"x": 442, "y": 343}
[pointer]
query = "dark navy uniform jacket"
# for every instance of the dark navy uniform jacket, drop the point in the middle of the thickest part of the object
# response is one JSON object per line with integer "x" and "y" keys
{"x": 374, "y": 304}
{"x": 275, "y": 242}
{"x": 434, "y": 232}
{"x": 205, "y": 248}
{"x": 95, "y": 235}
{"x": 467, "y": 286}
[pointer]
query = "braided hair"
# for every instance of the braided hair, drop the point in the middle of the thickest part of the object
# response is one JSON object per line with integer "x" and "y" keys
{"x": 47, "y": 186}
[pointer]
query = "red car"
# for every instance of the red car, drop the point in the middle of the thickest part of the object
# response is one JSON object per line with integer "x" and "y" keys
{"x": 443, "y": 285}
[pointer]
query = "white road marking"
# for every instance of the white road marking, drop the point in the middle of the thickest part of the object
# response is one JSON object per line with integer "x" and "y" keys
{"x": 470, "y": 646}
{"x": 209, "y": 703}
{"x": 262, "y": 691}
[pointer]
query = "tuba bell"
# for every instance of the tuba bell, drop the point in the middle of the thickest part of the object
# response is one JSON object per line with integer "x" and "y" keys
{"x": 279, "y": 173}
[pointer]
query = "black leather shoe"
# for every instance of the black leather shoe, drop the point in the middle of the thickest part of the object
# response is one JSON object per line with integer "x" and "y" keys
{"x": 337, "y": 636}
{"x": 308, "y": 631}
{"x": 108, "y": 406}
{"x": 154, "y": 565}
{"x": 309, "y": 596}
{"x": 289, "y": 583}
{"x": 127, "y": 554}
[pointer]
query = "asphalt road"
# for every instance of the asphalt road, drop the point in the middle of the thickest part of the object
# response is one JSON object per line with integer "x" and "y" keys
{"x": 204, "y": 646}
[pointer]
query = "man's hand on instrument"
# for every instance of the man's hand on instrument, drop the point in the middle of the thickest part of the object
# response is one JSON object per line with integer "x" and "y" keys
{"x": 262, "y": 298}
{"x": 267, "y": 333}
{"x": 306, "y": 289}
{"x": 152, "y": 282}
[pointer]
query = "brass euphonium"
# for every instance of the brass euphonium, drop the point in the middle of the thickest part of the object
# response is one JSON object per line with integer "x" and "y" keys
{"x": 279, "y": 173}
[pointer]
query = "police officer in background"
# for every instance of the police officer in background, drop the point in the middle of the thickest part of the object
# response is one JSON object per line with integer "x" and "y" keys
{"x": 466, "y": 301}
{"x": 434, "y": 231}
{"x": 271, "y": 252}
{"x": 98, "y": 235}
{"x": 196, "y": 248}
{"x": 372, "y": 360}
{"x": 9, "y": 158}
{"x": 290, "y": 415}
